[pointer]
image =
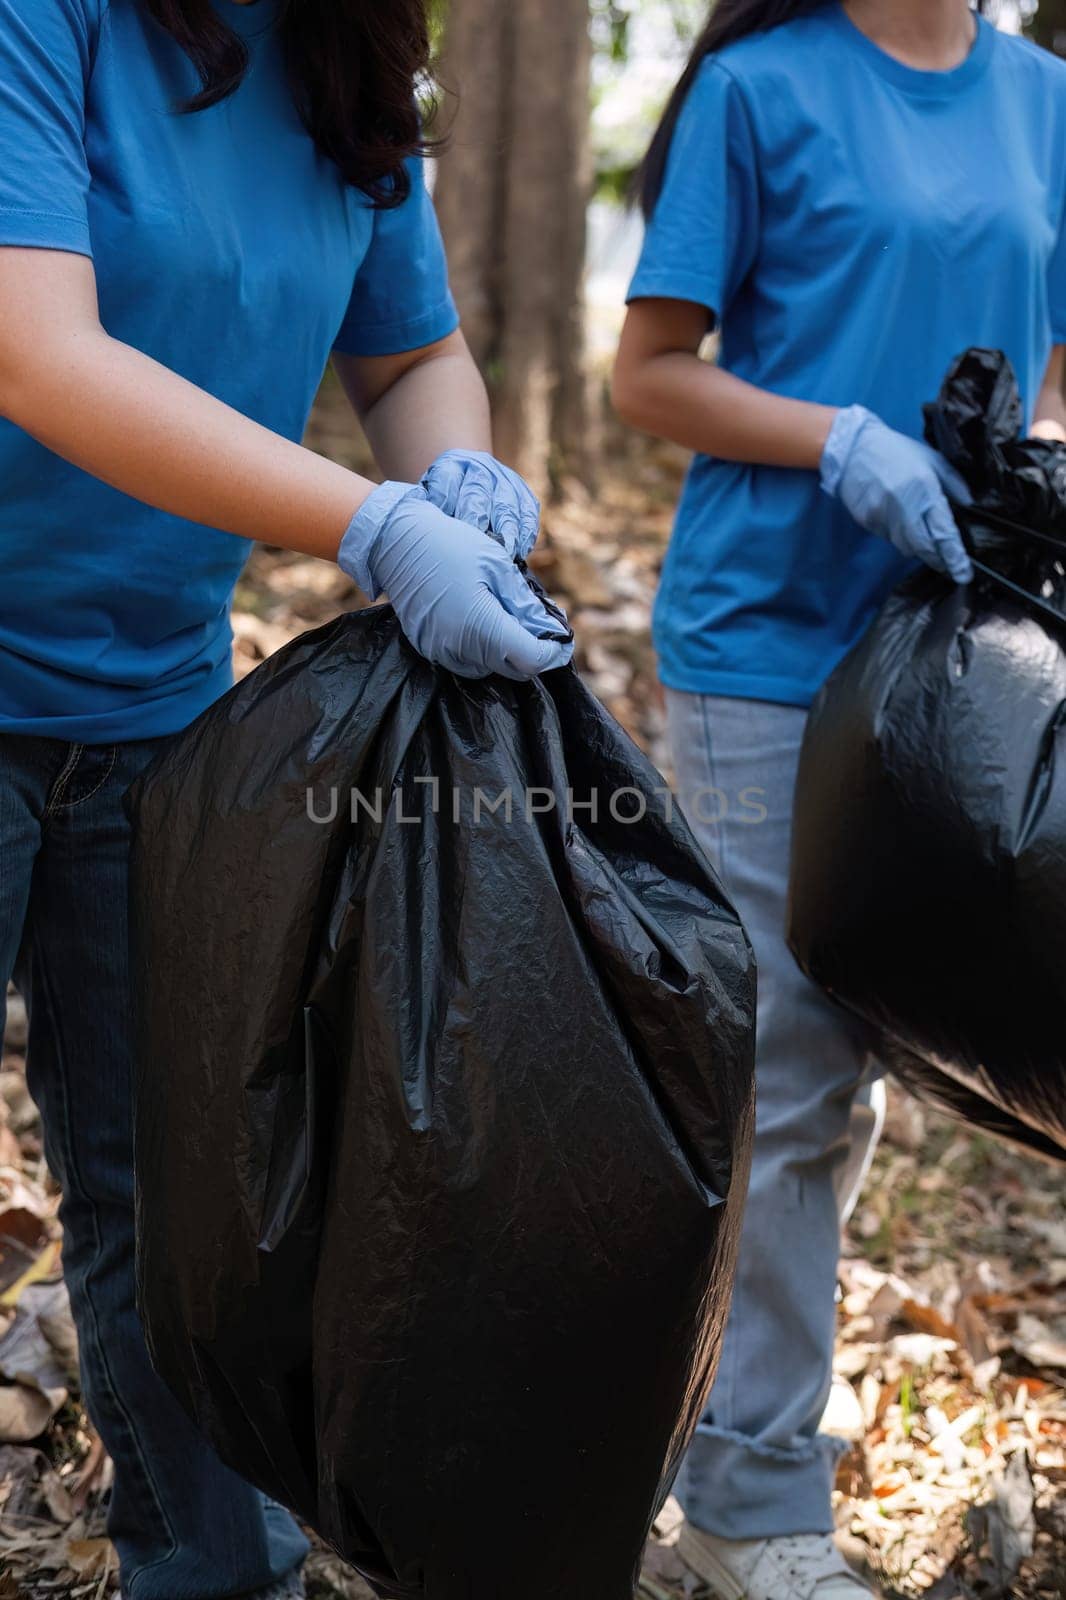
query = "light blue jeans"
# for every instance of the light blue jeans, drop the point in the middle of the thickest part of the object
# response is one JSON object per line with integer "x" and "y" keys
{"x": 758, "y": 1466}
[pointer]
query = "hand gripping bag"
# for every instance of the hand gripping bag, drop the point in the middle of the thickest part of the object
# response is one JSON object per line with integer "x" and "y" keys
{"x": 928, "y": 885}
{"x": 443, "y": 1113}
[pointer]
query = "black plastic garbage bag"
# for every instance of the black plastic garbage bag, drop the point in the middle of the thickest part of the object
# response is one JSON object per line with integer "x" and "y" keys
{"x": 929, "y": 857}
{"x": 443, "y": 1125}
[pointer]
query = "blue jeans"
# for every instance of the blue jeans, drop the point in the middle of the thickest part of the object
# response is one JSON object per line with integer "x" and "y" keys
{"x": 185, "y": 1527}
{"x": 758, "y": 1466}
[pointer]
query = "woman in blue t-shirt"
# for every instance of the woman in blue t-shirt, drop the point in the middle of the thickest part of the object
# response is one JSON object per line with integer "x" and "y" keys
{"x": 853, "y": 194}
{"x": 201, "y": 202}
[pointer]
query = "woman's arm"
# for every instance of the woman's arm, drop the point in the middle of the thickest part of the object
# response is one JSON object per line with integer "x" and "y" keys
{"x": 116, "y": 413}
{"x": 121, "y": 416}
{"x": 663, "y": 387}
{"x": 1050, "y": 414}
{"x": 416, "y": 406}
{"x": 430, "y": 410}
{"x": 891, "y": 484}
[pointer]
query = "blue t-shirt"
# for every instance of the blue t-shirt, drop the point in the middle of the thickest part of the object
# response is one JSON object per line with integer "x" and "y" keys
{"x": 853, "y": 224}
{"x": 228, "y": 249}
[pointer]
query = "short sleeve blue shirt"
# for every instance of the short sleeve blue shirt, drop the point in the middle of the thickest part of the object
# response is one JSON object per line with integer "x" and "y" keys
{"x": 228, "y": 249}
{"x": 852, "y": 224}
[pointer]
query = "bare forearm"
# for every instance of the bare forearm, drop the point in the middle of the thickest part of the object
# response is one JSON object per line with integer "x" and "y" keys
{"x": 677, "y": 396}
{"x": 437, "y": 404}
{"x": 1050, "y": 420}
{"x": 663, "y": 387}
{"x": 121, "y": 416}
{"x": 1049, "y": 413}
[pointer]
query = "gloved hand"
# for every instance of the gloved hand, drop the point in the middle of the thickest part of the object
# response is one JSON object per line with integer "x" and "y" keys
{"x": 476, "y": 488}
{"x": 894, "y": 486}
{"x": 459, "y": 597}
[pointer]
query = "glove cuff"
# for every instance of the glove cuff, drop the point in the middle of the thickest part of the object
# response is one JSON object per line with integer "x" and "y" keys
{"x": 356, "y": 553}
{"x": 846, "y": 428}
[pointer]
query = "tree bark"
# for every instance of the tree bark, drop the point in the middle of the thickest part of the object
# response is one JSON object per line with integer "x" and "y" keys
{"x": 512, "y": 193}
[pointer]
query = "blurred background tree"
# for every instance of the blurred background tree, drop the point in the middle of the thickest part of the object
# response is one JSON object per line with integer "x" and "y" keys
{"x": 513, "y": 193}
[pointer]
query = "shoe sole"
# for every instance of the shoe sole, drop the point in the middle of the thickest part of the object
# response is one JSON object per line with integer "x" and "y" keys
{"x": 707, "y": 1567}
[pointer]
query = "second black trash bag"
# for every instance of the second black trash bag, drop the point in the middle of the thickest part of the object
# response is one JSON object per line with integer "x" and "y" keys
{"x": 929, "y": 849}
{"x": 444, "y": 1112}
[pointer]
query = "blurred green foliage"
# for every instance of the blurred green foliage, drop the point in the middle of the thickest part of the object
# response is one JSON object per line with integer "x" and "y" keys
{"x": 610, "y": 29}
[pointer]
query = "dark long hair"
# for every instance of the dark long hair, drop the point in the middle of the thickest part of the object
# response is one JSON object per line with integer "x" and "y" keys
{"x": 729, "y": 20}
{"x": 354, "y": 66}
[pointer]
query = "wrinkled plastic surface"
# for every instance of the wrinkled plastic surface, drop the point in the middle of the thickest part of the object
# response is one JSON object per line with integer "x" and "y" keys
{"x": 443, "y": 1127}
{"x": 929, "y": 856}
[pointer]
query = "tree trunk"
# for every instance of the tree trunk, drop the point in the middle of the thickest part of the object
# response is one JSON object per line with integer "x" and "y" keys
{"x": 512, "y": 193}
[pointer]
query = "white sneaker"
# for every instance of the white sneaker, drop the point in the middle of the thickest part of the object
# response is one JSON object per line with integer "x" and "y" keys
{"x": 802, "y": 1566}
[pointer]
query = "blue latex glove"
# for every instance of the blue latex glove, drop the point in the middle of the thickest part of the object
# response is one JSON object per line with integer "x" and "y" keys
{"x": 895, "y": 486}
{"x": 476, "y": 488}
{"x": 459, "y": 597}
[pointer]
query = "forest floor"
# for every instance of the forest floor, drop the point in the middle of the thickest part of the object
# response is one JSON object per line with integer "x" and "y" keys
{"x": 951, "y": 1346}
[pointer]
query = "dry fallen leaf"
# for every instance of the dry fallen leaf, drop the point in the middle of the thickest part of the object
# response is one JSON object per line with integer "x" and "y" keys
{"x": 1009, "y": 1519}
{"x": 27, "y": 1227}
{"x": 1034, "y": 1340}
{"x": 26, "y": 1411}
{"x": 925, "y": 1318}
{"x": 43, "y": 1269}
{"x": 91, "y": 1558}
{"x": 10, "y": 1149}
